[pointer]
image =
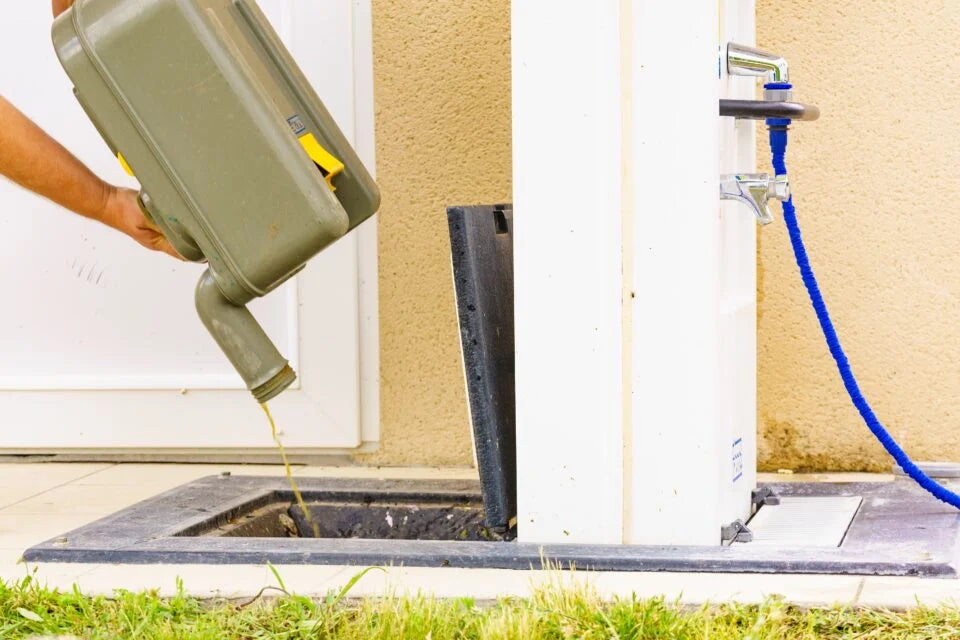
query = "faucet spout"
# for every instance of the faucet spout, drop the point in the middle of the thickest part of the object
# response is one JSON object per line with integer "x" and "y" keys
{"x": 243, "y": 340}
{"x": 749, "y": 61}
{"x": 754, "y": 190}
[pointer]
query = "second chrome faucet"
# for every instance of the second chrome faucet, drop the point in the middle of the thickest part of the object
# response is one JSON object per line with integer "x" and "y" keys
{"x": 755, "y": 190}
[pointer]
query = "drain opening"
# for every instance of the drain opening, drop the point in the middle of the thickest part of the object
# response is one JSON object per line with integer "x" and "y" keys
{"x": 364, "y": 519}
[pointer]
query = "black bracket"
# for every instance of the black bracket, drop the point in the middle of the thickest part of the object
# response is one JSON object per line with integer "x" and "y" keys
{"x": 763, "y": 109}
{"x": 764, "y": 497}
{"x": 736, "y": 531}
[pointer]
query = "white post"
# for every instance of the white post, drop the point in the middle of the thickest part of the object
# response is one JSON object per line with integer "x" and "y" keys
{"x": 634, "y": 291}
{"x": 567, "y": 269}
{"x": 676, "y": 233}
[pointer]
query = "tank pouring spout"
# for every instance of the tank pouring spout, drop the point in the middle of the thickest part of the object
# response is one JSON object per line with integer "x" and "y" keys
{"x": 265, "y": 372}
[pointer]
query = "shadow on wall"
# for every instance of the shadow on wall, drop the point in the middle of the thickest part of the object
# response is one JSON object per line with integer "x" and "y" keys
{"x": 887, "y": 259}
{"x": 442, "y": 77}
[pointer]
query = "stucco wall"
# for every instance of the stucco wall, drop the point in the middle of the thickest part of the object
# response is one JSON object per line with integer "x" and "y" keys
{"x": 442, "y": 73}
{"x": 877, "y": 182}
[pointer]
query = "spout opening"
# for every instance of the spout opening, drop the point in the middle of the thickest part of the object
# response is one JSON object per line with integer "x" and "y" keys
{"x": 275, "y": 386}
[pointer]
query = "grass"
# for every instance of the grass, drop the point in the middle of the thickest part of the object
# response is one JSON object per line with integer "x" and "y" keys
{"x": 28, "y": 610}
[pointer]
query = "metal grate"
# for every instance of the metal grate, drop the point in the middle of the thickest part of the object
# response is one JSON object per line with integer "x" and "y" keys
{"x": 814, "y": 521}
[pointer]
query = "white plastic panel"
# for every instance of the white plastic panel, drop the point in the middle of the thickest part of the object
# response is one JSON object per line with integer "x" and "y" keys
{"x": 804, "y": 521}
{"x": 737, "y": 295}
{"x": 635, "y": 289}
{"x": 676, "y": 246}
{"x": 567, "y": 269}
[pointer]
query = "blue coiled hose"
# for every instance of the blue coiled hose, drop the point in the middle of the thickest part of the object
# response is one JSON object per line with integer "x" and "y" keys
{"x": 778, "y": 146}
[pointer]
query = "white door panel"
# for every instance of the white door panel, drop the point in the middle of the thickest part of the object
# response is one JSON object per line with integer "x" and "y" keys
{"x": 100, "y": 346}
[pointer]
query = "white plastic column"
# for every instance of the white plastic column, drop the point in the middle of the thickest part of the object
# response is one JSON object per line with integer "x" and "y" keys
{"x": 737, "y": 264}
{"x": 567, "y": 111}
{"x": 634, "y": 291}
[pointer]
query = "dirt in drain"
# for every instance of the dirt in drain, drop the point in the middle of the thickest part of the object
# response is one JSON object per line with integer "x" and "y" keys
{"x": 379, "y": 521}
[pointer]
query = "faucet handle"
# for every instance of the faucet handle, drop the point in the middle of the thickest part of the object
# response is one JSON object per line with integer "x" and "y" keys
{"x": 754, "y": 190}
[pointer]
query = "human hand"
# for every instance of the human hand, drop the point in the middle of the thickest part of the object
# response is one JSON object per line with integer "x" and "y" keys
{"x": 59, "y": 6}
{"x": 122, "y": 212}
{"x": 34, "y": 160}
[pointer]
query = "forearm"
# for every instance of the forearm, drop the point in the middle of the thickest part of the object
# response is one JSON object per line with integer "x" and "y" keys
{"x": 34, "y": 160}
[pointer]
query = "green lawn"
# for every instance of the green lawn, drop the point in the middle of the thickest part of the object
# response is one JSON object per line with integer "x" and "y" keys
{"x": 27, "y": 611}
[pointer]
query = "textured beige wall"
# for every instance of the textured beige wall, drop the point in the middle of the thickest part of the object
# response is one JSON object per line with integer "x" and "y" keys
{"x": 877, "y": 182}
{"x": 442, "y": 73}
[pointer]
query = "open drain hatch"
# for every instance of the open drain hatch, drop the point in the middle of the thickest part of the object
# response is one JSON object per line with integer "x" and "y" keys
{"x": 362, "y": 517}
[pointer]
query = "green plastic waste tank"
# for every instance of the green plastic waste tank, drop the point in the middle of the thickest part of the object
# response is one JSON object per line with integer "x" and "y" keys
{"x": 240, "y": 164}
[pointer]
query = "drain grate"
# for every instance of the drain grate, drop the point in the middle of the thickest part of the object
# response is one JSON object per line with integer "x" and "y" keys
{"x": 809, "y": 521}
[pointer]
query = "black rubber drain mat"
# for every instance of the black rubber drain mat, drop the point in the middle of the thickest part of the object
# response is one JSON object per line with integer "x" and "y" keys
{"x": 899, "y": 530}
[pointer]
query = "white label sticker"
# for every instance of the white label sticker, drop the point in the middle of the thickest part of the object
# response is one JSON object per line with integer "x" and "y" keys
{"x": 736, "y": 458}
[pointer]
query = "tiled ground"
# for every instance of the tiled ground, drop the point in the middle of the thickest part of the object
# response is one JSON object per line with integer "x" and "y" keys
{"x": 38, "y": 502}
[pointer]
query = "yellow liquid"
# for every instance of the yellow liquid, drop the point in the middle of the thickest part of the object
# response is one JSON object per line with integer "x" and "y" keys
{"x": 286, "y": 466}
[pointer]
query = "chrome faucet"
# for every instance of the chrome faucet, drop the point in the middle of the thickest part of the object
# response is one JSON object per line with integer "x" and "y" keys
{"x": 754, "y": 190}
{"x": 749, "y": 61}
{"x": 772, "y": 68}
